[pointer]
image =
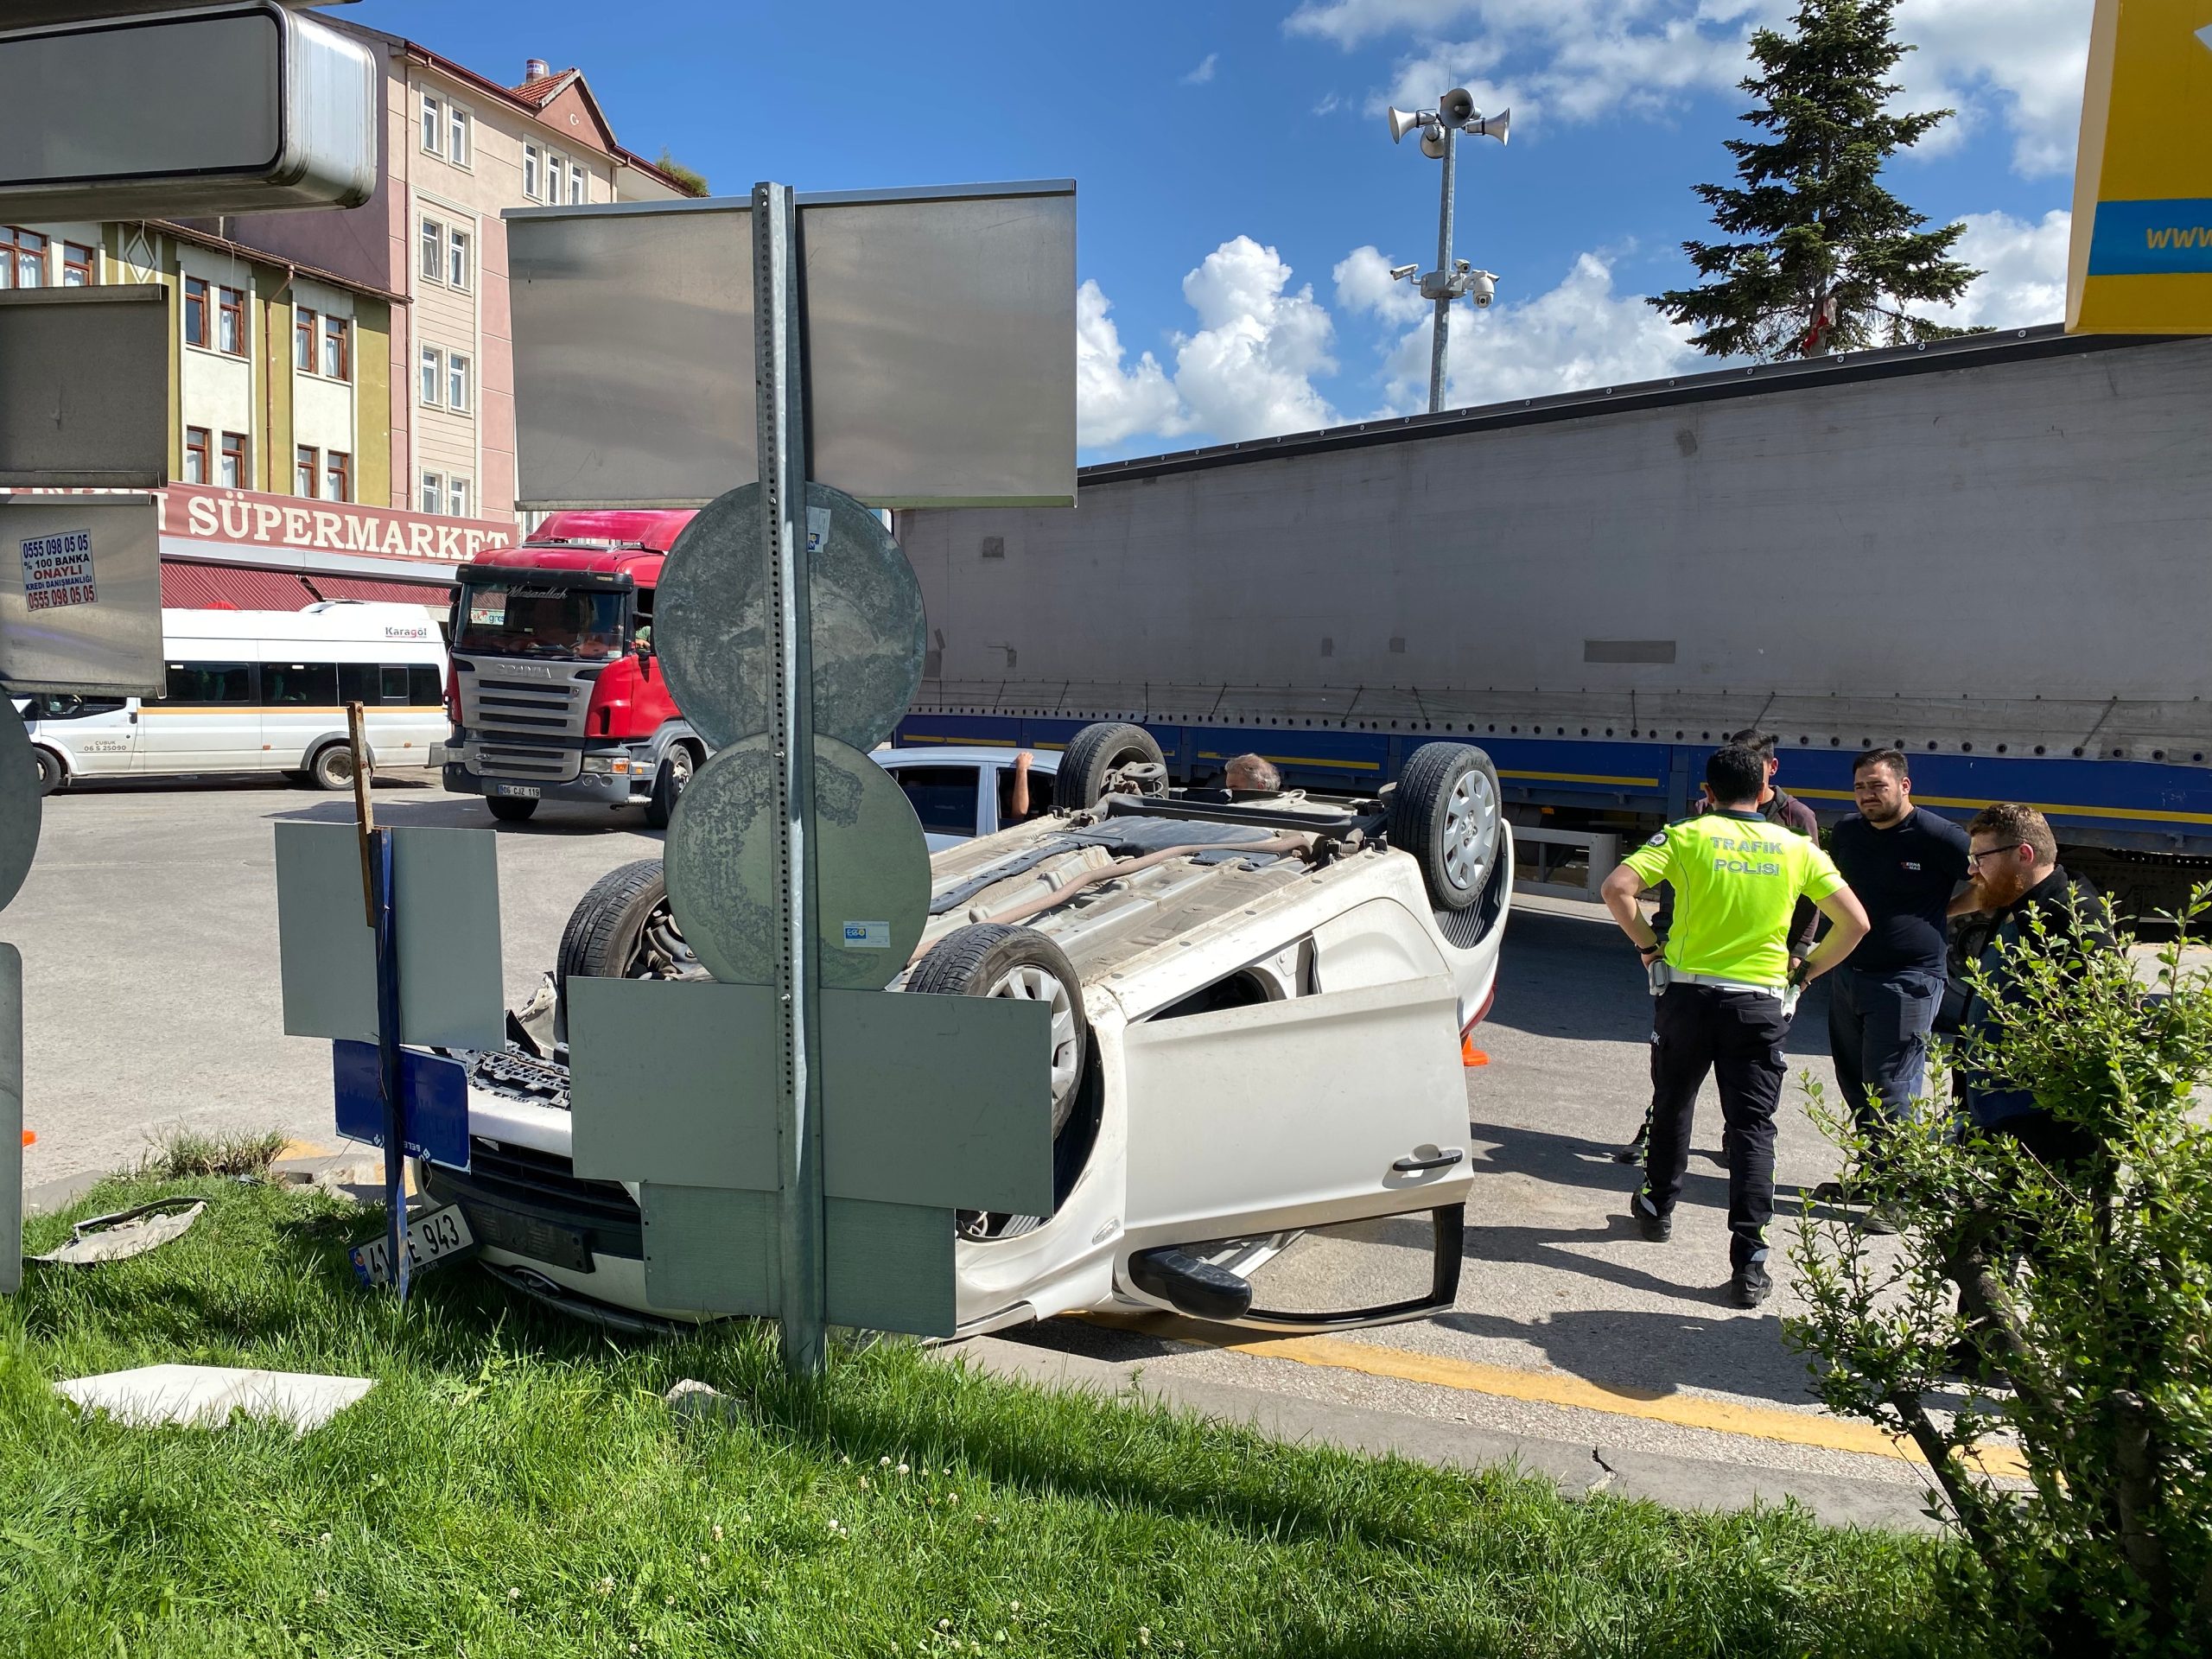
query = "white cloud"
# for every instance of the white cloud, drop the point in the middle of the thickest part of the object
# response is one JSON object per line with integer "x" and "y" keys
{"x": 1329, "y": 104}
{"x": 1113, "y": 403}
{"x": 2019, "y": 62}
{"x": 1364, "y": 284}
{"x": 2023, "y": 265}
{"x": 1203, "y": 72}
{"x": 1247, "y": 372}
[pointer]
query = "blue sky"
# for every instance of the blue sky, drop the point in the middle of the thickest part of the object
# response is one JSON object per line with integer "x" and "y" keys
{"x": 1239, "y": 194}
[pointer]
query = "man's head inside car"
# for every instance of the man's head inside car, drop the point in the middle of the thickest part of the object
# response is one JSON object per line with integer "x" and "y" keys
{"x": 1252, "y": 774}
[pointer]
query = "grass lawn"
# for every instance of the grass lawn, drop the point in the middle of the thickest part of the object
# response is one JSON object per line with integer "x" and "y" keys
{"x": 514, "y": 1485}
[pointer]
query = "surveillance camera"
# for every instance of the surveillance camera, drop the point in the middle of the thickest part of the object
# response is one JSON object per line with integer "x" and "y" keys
{"x": 1482, "y": 289}
{"x": 1399, "y": 273}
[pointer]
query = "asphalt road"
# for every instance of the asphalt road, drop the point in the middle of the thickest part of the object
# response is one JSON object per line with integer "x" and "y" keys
{"x": 149, "y": 933}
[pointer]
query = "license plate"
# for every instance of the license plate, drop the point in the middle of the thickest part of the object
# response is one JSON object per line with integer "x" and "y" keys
{"x": 435, "y": 1236}
{"x": 526, "y": 1236}
{"x": 527, "y": 791}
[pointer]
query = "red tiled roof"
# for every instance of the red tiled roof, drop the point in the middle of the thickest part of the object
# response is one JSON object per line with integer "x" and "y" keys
{"x": 540, "y": 92}
{"x": 189, "y": 587}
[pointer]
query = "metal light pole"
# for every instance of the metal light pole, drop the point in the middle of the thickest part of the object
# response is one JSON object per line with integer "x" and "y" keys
{"x": 1439, "y": 132}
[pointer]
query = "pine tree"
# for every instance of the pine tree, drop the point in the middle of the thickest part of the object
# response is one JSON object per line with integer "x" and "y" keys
{"x": 1829, "y": 259}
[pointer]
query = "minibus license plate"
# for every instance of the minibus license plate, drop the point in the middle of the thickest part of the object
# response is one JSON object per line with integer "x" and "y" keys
{"x": 436, "y": 1237}
{"x": 527, "y": 791}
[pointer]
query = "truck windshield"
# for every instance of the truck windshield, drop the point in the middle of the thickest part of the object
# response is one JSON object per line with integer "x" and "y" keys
{"x": 528, "y": 619}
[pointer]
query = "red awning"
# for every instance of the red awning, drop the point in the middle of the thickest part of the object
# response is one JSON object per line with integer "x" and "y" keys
{"x": 388, "y": 592}
{"x": 237, "y": 588}
{"x": 231, "y": 587}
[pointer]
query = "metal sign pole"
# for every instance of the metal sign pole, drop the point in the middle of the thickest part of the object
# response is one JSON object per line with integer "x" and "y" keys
{"x": 376, "y": 893}
{"x": 779, "y": 359}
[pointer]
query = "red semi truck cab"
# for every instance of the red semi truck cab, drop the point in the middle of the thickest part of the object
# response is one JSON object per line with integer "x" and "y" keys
{"x": 556, "y": 694}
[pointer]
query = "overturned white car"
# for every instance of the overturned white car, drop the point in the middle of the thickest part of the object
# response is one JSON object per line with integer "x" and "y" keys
{"x": 1258, "y": 1009}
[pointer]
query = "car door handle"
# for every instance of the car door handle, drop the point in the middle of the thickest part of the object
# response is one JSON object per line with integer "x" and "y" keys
{"x": 1412, "y": 1166}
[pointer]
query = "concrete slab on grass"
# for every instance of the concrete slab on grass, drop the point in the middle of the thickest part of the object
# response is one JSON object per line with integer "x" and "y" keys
{"x": 205, "y": 1395}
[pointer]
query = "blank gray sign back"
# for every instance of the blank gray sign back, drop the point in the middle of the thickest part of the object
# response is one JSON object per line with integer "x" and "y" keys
{"x": 12, "y": 1120}
{"x": 705, "y": 1113}
{"x": 85, "y": 402}
{"x": 448, "y": 889}
{"x": 940, "y": 347}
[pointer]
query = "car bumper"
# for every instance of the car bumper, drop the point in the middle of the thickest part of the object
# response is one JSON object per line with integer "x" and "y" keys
{"x": 603, "y": 789}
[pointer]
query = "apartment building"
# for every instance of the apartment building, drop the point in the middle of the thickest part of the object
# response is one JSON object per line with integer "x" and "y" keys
{"x": 459, "y": 147}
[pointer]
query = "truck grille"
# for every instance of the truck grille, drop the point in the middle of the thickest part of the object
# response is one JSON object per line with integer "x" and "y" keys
{"x": 540, "y": 1187}
{"x": 526, "y": 728}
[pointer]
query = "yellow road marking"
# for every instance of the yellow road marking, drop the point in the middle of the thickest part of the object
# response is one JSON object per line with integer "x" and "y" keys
{"x": 1560, "y": 1389}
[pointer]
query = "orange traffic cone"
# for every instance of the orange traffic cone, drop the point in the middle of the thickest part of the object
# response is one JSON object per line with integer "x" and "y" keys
{"x": 1469, "y": 1055}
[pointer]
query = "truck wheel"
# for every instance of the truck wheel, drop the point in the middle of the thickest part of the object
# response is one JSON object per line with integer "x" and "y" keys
{"x": 668, "y": 785}
{"x": 510, "y": 809}
{"x": 51, "y": 773}
{"x": 624, "y": 929}
{"x": 1444, "y": 811}
{"x": 1094, "y": 755}
{"x": 333, "y": 766}
{"x": 992, "y": 959}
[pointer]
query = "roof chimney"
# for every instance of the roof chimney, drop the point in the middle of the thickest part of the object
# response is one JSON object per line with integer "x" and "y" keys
{"x": 535, "y": 69}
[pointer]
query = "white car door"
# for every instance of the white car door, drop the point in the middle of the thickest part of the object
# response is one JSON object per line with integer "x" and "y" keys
{"x": 96, "y": 737}
{"x": 1343, "y": 1105}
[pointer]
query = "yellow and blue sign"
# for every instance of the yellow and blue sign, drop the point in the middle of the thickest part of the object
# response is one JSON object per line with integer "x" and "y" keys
{"x": 2140, "y": 261}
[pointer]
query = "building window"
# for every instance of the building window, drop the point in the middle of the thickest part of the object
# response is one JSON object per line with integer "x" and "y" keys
{"x": 303, "y": 338}
{"x": 433, "y": 249}
{"x": 23, "y": 258}
{"x": 456, "y": 381}
{"x": 557, "y": 173}
{"x": 337, "y": 476}
{"x": 457, "y": 259}
{"x": 457, "y": 497}
{"x": 232, "y": 473}
{"x": 76, "y": 265}
{"x": 195, "y": 312}
{"x": 338, "y": 347}
{"x": 306, "y": 466}
{"x": 457, "y": 136}
{"x": 533, "y": 169}
{"x": 230, "y": 325}
{"x": 434, "y": 492}
{"x": 576, "y": 177}
{"x": 195, "y": 454}
{"x": 433, "y": 374}
{"x": 433, "y": 124}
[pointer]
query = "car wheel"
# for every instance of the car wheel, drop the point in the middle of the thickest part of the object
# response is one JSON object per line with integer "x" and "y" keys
{"x": 510, "y": 809}
{"x": 333, "y": 766}
{"x": 992, "y": 959}
{"x": 52, "y": 775}
{"x": 1094, "y": 755}
{"x": 668, "y": 785}
{"x": 624, "y": 929}
{"x": 1445, "y": 812}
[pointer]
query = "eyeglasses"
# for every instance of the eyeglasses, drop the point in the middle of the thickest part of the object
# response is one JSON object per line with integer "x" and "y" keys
{"x": 1973, "y": 859}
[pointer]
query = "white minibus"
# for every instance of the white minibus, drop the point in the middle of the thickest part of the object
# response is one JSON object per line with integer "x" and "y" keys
{"x": 259, "y": 691}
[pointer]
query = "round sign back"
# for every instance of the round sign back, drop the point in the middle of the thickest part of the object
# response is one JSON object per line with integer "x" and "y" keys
{"x": 866, "y": 606}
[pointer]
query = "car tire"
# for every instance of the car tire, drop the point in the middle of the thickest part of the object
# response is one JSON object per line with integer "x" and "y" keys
{"x": 668, "y": 785}
{"x": 623, "y": 929}
{"x": 52, "y": 774}
{"x": 333, "y": 766}
{"x": 1095, "y": 753}
{"x": 993, "y": 959}
{"x": 1446, "y": 812}
{"x": 510, "y": 809}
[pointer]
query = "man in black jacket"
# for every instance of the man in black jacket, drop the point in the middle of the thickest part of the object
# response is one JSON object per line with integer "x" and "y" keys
{"x": 1775, "y": 806}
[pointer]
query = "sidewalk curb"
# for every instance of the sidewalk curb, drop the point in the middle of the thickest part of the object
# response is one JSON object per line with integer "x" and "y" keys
{"x": 1578, "y": 1468}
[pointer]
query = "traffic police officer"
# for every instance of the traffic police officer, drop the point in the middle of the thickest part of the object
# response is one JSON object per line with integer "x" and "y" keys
{"x": 1726, "y": 990}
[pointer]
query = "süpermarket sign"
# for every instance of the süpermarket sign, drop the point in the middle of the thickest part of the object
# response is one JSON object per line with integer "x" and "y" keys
{"x": 2140, "y": 260}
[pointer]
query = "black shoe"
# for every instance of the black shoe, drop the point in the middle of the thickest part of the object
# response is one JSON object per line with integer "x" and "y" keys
{"x": 1656, "y": 1228}
{"x": 1833, "y": 1193}
{"x": 1633, "y": 1152}
{"x": 1749, "y": 1286}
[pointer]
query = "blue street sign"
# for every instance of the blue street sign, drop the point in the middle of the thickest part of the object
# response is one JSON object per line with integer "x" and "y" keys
{"x": 434, "y": 1101}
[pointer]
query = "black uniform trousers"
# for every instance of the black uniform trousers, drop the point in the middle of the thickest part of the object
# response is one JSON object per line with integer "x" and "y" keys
{"x": 1736, "y": 1036}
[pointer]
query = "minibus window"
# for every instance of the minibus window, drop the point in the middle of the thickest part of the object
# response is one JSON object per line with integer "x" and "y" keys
{"x": 395, "y": 685}
{"x": 204, "y": 684}
{"x": 300, "y": 685}
{"x": 422, "y": 688}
